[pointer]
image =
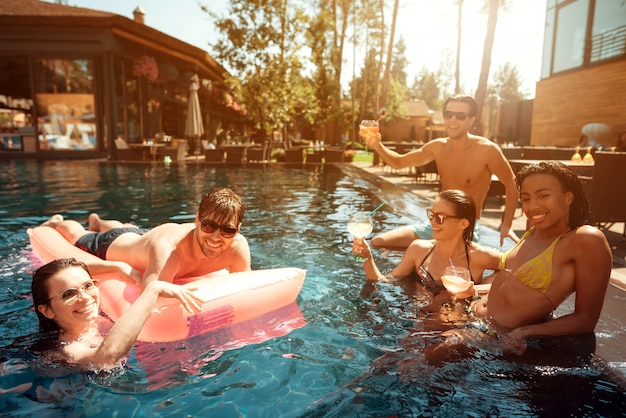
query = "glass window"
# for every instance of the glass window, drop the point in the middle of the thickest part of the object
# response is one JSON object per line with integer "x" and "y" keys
{"x": 570, "y": 35}
{"x": 16, "y": 104}
{"x": 547, "y": 44}
{"x": 65, "y": 103}
{"x": 609, "y": 29}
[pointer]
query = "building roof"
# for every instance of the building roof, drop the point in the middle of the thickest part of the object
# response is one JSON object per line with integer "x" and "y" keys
{"x": 417, "y": 109}
{"x": 24, "y": 13}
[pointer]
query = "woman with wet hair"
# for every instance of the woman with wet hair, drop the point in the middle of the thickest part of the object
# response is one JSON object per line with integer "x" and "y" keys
{"x": 67, "y": 302}
{"x": 452, "y": 216}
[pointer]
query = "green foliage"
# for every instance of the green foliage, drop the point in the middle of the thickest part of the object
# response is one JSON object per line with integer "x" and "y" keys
{"x": 261, "y": 42}
{"x": 506, "y": 84}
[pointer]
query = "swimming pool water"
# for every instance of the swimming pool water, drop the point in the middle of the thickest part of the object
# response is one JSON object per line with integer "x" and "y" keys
{"x": 360, "y": 352}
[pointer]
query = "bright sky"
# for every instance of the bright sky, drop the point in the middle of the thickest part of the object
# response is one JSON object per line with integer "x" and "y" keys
{"x": 429, "y": 29}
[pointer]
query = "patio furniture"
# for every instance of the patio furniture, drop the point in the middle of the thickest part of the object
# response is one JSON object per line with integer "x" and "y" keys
{"x": 126, "y": 153}
{"x": 314, "y": 157}
{"x": 235, "y": 154}
{"x": 606, "y": 191}
{"x": 214, "y": 155}
{"x": 294, "y": 155}
{"x": 333, "y": 155}
{"x": 176, "y": 151}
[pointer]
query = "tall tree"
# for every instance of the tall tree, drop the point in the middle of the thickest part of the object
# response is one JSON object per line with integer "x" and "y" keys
{"x": 457, "y": 72}
{"x": 261, "y": 42}
{"x": 387, "y": 75}
{"x": 326, "y": 35}
{"x": 507, "y": 83}
{"x": 481, "y": 90}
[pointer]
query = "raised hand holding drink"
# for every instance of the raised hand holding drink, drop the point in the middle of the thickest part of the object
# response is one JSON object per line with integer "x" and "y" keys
{"x": 360, "y": 225}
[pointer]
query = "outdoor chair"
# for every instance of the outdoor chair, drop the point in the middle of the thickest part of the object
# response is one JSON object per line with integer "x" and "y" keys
{"x": 294, "y": 155}
{"x": 256, "y": 154}
{"x": 333, "y": 155}
{"x": 126, "y": 153}
{"x": 176, "y": 151}
{"x": 214, "y": 155}
{"x": 607, "y": 190}
{"x": 235, "y": 155}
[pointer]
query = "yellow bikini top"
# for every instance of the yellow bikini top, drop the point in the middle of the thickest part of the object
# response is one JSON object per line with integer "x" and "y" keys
{"x": 537, "y": 272}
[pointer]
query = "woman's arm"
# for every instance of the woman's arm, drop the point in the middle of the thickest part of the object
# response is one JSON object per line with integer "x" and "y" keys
{"x": 123, "y": 334}
{"x": 361, "y": 247}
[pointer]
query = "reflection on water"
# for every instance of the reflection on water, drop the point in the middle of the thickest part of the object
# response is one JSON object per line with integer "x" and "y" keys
{"x": 361, "y": 351}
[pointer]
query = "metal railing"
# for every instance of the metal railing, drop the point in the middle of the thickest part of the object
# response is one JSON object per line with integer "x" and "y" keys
{"x": 608, "y": 44}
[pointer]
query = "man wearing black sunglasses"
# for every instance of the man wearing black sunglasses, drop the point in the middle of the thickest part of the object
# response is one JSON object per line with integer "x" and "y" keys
{"x": 464, "y": 161}
{"x": 169, "y": 251}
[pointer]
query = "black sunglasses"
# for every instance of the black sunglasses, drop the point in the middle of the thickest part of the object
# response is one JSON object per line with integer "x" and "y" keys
{"x": 448, "y": 114}
{"x": 70, "y": 296}
{"x": 439, "y": 217}
{"x": 210, "y": 227}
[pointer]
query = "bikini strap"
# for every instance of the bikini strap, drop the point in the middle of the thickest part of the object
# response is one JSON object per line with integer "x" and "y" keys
{"x": 468, "y": 261}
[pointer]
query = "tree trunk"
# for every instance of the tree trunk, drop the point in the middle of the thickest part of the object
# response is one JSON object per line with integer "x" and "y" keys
{"x": 481, "y": 91}
{"x": 383, "y": 96}
{"x": 380, "y": 58}
{"x": 457, "y": 72}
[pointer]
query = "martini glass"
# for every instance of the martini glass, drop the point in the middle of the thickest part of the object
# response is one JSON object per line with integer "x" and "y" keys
{"x": 360, "y": 225}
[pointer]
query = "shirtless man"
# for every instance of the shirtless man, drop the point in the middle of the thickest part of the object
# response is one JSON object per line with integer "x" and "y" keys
{"x": 169, "y": 251}
{"x": 558, "y": 255}
{"x": 464, "y": 161}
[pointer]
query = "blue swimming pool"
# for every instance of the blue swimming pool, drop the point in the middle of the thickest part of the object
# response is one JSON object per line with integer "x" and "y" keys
{"x": 360, "y": 352}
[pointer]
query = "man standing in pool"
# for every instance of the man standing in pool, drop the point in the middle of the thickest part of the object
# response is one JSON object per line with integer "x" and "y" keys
{"x": 169, "y": 251}
{"x": 464, "y": 161}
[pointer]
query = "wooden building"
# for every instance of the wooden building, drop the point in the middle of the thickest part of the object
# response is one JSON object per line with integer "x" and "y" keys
{"x": 583, "y": 77}
{"x": 72, "y": 80}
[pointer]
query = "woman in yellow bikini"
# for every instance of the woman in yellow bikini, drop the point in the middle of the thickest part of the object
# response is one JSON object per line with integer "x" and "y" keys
{"x": 559, "y": 255}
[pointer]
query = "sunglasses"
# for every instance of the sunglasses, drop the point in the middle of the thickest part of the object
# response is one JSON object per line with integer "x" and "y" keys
{"x": 210, "y": 227}
{"x": 448, "y": 114}
{"x": 70, "y": 296}
{"x": 439, "y": 217}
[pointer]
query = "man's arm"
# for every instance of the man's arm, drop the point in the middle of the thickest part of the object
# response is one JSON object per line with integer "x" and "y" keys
{"x": 413, "y": 158}
{"x": 502, "y": 169}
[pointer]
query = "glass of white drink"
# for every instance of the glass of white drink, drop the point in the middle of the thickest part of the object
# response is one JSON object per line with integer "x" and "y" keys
{"x": 360, "y": 225}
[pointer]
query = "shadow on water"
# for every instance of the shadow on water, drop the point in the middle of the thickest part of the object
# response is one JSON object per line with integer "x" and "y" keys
{"x": 362, "y": 351}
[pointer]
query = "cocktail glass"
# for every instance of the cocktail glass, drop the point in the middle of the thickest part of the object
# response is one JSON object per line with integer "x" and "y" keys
{"x": 368, "y": 127}
{"x": 456, "y": 280}
{"x": 360, "y": 225}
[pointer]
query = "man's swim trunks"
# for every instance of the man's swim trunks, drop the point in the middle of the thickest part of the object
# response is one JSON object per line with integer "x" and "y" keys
{"x": 425, "y": 230}
{"x": 98, "y": 243}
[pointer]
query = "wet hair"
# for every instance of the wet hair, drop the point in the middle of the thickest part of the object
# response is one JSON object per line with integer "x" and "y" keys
{"x": 463, "y": 99}
{"x": 40, "y": 288}
{"x": 579, "y": 210}
{"x": 464, "y": 208}
{"x": 221, "y": 205}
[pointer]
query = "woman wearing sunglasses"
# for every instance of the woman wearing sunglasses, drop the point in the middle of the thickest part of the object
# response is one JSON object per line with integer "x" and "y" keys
{"x": 169, "y": 251}
{"x": 452, "y": 217}
{"x": 67, "y": 303}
